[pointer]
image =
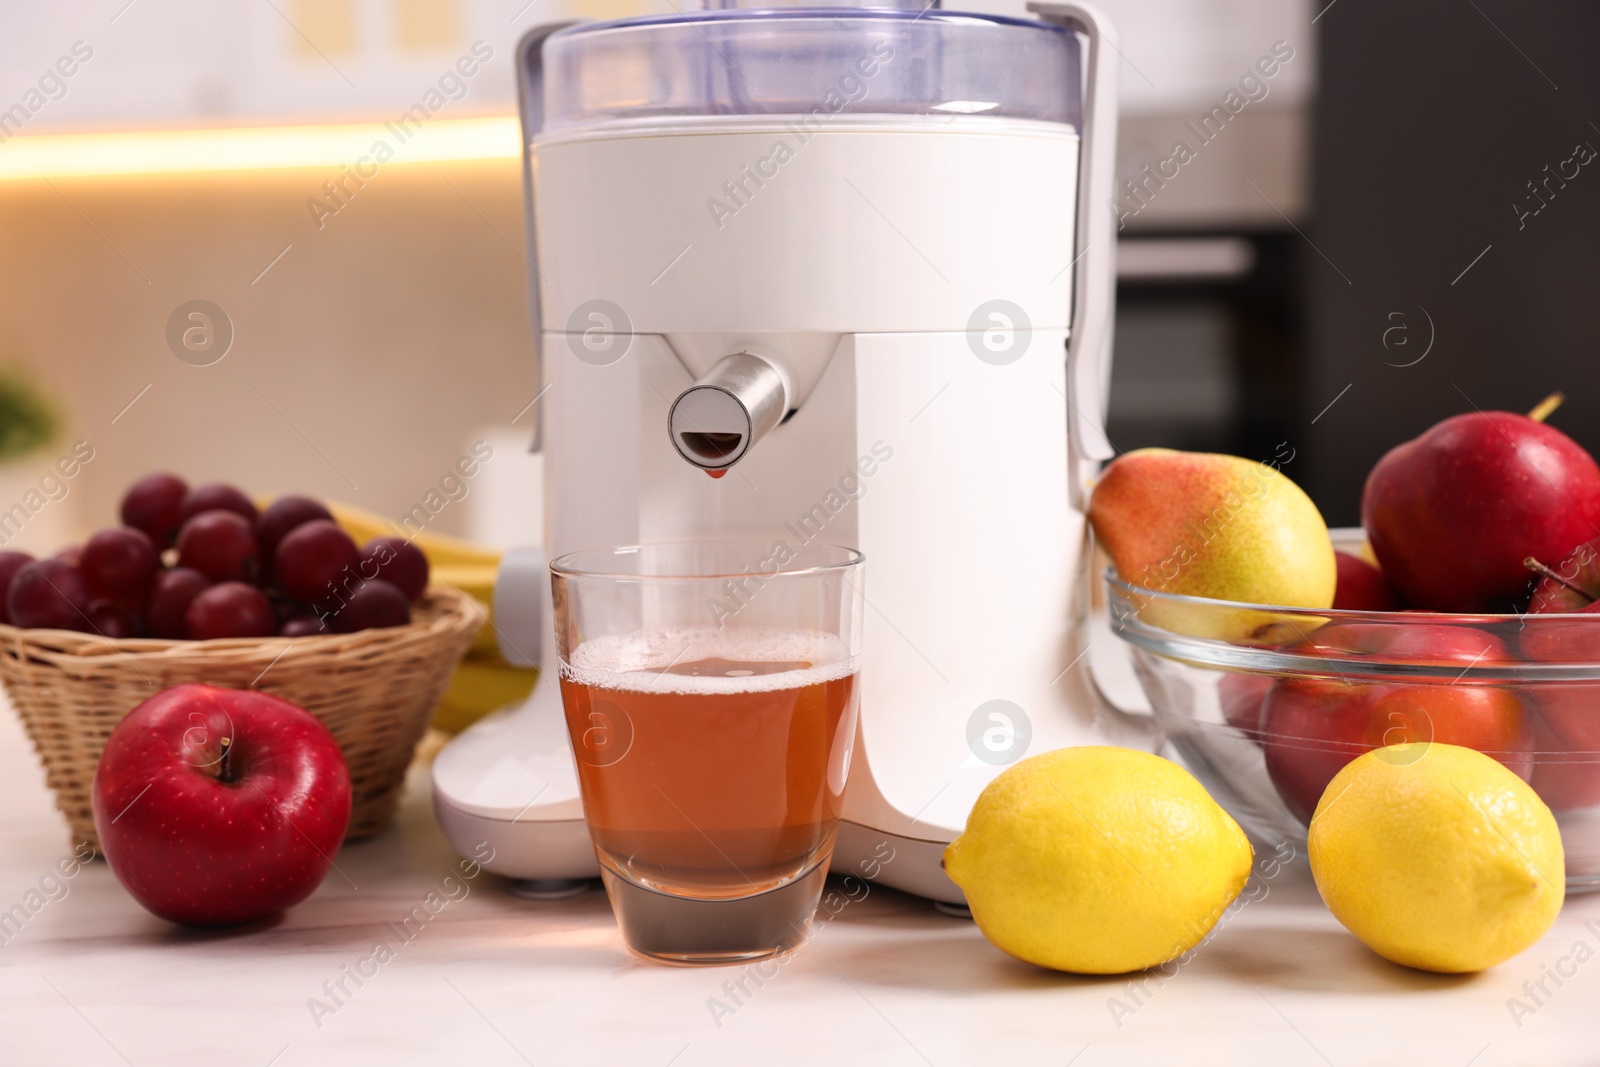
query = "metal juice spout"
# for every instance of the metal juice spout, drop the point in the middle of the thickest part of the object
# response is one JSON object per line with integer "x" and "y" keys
{"x": 716, "y": 421}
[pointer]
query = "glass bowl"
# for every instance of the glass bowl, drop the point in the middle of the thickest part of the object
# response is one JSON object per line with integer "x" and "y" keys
{"x": 1265, "y": 704}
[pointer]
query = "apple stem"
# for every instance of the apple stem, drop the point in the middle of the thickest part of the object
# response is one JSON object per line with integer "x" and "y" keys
{"x": 225, "y": 763}
{"x": 1544, "y": 408}
{"x": 1539, "y": 568}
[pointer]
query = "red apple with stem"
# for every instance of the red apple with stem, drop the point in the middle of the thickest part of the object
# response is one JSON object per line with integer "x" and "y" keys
{"x": 1312, "y": 727}
{"x": 1452, "y": 514}
{"x": 219, "y": 806}
{"x": 1571, "y": 586}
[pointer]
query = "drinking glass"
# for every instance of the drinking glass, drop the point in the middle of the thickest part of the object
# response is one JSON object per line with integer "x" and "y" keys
{"x": 710, "y": 696}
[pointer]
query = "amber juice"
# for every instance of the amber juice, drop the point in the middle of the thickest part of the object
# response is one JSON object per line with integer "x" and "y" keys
{"x": 712, "y": 762}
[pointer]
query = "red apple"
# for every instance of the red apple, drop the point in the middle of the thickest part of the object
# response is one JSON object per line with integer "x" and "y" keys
{"x": 1566, "y": 769}
{"x": 1570, "y": 637}
{"x": 1453, "y": 514}
{"x": 1571, "y": 586}
{"x": 1241, "y": 696}
{"x": 1567, "y": 764}
{"x": 1405, "y": 641}
{"x": 219, "y": 806}
{"x": 1362, "y": 587}
{"x": 1314, "y": 726}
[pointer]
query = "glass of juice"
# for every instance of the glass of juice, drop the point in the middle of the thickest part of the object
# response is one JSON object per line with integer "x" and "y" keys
{"x": 710, "y": 695}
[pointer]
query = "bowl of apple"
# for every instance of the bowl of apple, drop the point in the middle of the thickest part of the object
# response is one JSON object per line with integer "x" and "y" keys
{"x": 1465, "y": 611}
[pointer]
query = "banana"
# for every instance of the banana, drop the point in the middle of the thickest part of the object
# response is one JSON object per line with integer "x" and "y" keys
{"x": 481, "y": 685}
{"x": 473, "y": 579}
{"x": 442, "y": 550}
{"x": 477, "y": 581}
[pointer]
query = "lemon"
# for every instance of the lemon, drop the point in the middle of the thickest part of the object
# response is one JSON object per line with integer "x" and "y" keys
{"x": 1097, "y": 860}
{"x": 1437, "y": 857}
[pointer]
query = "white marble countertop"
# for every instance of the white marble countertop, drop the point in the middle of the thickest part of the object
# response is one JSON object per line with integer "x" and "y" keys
{"x": 93, "y": 979}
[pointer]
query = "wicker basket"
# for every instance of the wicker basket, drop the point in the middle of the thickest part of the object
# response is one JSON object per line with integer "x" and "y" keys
{"x": 375, "y": 690}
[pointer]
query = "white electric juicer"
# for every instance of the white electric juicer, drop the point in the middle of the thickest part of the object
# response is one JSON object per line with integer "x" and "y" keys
{"x": 860, "y": 261}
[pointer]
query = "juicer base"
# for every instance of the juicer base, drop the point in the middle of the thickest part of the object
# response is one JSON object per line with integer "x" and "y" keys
{"x": 536, "y": 849}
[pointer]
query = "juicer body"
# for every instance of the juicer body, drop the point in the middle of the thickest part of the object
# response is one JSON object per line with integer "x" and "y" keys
{"x": 920, "y": 281}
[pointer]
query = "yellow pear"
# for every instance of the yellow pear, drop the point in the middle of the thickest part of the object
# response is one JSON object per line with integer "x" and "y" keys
{"x": 1214, "y": 526}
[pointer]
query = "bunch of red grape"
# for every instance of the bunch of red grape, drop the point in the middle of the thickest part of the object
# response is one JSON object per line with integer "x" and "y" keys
{"x": 202, "y": 563}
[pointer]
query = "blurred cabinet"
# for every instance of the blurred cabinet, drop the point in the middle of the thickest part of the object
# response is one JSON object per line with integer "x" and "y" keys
{"x": 161, "y": 62}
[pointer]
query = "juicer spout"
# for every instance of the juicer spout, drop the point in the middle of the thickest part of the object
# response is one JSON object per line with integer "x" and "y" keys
{"x": 716, "y": 421}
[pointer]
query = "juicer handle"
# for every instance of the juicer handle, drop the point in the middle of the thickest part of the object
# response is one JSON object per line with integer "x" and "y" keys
{"x": 1095, "y": 242}
{"x": 520, "y": 616}
{"x": 530, "y": 109}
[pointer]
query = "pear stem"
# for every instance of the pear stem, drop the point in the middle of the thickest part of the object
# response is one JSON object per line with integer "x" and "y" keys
{"x": 1546, "y": 407}
{"x": 1540, "y": 569}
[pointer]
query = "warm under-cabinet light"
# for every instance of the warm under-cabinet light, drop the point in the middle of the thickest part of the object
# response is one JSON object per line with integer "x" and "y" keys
{"x": 257, "y": 148}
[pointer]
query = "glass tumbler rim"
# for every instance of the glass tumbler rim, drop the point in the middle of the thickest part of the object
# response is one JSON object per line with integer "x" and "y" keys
{"x": 811, "y": 559}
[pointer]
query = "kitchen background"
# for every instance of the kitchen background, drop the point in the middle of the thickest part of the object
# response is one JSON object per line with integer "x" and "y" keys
{"x": 1288, "y": 278}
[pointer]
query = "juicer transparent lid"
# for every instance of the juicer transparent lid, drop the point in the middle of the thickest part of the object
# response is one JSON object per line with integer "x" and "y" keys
{"x": 800, "y": 61}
